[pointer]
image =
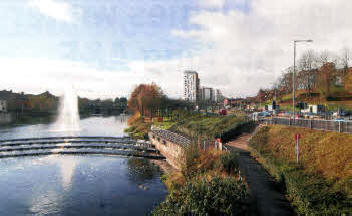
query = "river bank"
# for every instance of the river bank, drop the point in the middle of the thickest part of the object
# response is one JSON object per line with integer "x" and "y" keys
{"x": 209, "y": 182}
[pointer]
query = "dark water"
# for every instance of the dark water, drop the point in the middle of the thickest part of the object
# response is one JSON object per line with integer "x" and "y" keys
{"x": 78, "y": 185}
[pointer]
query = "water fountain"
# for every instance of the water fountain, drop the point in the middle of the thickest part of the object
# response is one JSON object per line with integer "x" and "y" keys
{"x": 68, "y": 118}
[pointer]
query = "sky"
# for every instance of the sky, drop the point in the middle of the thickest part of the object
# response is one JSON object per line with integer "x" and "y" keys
{"x": 104, "y": 48}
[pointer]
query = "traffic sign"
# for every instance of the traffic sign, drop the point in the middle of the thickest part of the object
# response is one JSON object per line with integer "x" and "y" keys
{"x": 297, "y": 136}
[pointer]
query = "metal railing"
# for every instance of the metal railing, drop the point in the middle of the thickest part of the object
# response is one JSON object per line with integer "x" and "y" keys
{"x": 328, "y": 125}
{"x": 171, "y": 136}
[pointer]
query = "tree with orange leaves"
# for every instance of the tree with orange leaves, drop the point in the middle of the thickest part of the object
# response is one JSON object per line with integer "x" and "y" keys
{"x": 145, "y": 99}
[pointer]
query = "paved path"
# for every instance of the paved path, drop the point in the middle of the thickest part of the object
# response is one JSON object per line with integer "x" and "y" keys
{"x": 269, "y": 201}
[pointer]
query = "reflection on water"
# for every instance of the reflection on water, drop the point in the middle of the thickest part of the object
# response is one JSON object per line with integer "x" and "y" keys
{"x": 140, "y": 170}
{"x": 79, "y": 185}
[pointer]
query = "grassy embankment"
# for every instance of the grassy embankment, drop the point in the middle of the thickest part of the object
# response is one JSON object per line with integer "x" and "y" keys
{"x": 192, "y": 124}
{"x": 208, "y": 183}
{"x": 341, "y": 99}
{"x": 322, "y": 183}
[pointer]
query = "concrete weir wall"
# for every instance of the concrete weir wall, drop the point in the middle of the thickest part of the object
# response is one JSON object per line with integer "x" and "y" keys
{"x": 5, "y": 118}
{"x": 171, "y": 145}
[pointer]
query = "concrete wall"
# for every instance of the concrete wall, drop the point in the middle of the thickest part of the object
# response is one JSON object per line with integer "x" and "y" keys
{"x": 5, "y": 118}
{"x": 173, "y": 152}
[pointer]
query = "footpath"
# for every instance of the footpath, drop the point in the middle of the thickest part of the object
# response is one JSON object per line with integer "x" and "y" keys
{"x": 268, "y": 199}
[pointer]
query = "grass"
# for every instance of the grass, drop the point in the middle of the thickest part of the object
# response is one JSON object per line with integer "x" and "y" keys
{"x": 210, "y": 127}
{"x": 191, "y": 125}
{"x": 322, "y": 183}
{"x": 332, "y": 103}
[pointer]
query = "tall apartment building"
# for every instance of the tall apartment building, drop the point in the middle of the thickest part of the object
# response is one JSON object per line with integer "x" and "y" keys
{"x": 191, "y": 86}
{"x": 207, "y": 94}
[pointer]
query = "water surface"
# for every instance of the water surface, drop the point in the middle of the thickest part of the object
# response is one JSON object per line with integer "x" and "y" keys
{"x": 77, "y": 185}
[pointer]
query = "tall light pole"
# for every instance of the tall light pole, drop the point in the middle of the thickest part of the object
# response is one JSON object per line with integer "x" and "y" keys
{"x": 294, "y": 74}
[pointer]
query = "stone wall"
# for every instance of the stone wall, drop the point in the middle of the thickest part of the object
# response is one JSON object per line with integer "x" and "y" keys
{"x": 171, "y": 145}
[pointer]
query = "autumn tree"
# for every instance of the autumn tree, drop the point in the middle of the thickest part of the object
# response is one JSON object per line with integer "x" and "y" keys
{"x": 145, "y": 99}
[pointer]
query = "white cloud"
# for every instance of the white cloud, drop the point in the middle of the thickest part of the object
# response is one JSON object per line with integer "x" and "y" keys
{"x": 212, "y": 3}
{"x": 249, "y": 51}
{"x": 245, "y": 52}
{"x": 55, "y": 9}
{"x": 33, "y": 75}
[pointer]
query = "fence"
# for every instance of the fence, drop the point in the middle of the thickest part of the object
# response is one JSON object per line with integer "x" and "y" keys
{"x": 328, "y": 125}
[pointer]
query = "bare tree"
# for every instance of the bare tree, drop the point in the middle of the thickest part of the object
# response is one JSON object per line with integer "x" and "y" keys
{"x": 307, "y": 75}
{"x": 345, "y": 58}
{"x": 285, "y": 81}
{"x": 325, "y": 57}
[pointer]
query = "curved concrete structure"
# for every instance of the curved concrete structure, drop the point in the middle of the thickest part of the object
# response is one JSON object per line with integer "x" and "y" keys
{"x": 77, "y": 145}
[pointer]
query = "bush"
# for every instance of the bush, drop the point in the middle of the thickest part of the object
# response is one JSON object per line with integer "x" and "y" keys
{"x": 236, "y": 130}
{"x": 189, "y": 168}
{"x": 229, "y": 162}
{"x": 218, "y": 196}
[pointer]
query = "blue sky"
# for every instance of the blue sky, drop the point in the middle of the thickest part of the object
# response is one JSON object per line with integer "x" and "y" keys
{"x": 102, "y": 33}
{"x": 106, "y": 47}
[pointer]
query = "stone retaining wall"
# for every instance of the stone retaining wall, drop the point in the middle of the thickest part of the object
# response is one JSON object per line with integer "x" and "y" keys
{"x": 171, "y": 145}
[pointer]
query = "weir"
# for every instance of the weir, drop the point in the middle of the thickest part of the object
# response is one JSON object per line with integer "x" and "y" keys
{"x": 123, "y": 146}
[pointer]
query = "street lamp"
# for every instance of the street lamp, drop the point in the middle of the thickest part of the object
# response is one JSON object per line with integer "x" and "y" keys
{"x": 294, "y": 74}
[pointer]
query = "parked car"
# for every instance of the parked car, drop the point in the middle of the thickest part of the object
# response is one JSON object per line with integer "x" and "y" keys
{"x": 223, "y": 112}
{"x": 339, "y": 120}
{"x": 264, "y": 114}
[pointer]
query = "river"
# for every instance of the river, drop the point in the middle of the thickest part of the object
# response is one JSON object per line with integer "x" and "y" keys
{"x": 77, "y": 185}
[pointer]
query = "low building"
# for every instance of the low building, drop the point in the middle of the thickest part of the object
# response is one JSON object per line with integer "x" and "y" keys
{"x": 3, "y": 106}
{"x": 314, "y": 109}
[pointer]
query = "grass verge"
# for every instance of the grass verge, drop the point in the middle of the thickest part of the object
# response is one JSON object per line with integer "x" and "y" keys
{"x": 322, "y": 183}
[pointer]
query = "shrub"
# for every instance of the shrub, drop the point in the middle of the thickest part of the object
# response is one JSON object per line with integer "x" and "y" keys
{"x": 188, "y": 168}
{"x": 218, "y": 196}
{"x": 229, "y": 162}
{"x": 236, "y": 130}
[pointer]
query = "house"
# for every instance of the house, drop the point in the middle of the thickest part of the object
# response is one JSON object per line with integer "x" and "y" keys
{"x": 3, "y": 106}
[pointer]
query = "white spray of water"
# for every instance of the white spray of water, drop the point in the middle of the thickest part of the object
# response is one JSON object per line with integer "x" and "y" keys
{"x": 68, "y": 118}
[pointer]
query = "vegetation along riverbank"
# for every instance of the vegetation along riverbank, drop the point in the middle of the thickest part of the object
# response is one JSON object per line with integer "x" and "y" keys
{"x": 322, "y": 182}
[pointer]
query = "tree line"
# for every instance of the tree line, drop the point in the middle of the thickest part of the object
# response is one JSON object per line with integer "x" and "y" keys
{"x": 325, "y": 74}
{"x": 47, "y": 103}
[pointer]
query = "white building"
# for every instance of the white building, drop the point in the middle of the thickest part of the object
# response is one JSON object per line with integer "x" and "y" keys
{"x": 191, "y": 86}
{"x": 219, "y": 98}
{"x": 207, "y": 94}
{"x": 3, "y": 106}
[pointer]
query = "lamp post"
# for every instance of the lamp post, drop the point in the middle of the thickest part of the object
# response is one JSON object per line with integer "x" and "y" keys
{"x": 294, "y": 75}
